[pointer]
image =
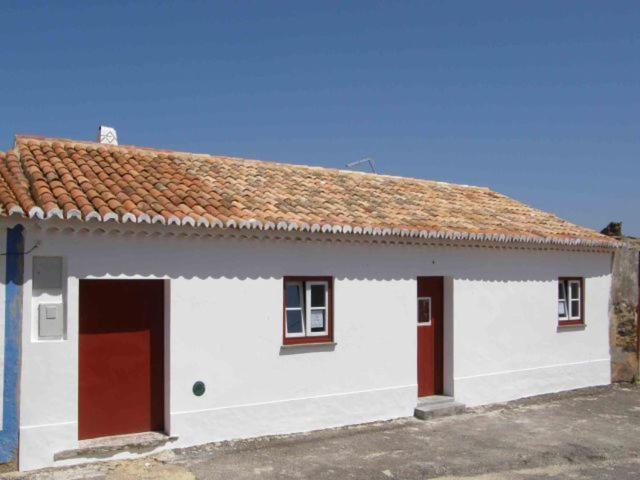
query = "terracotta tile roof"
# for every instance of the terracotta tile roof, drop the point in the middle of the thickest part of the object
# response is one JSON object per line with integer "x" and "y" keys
{"x": 43, "y": 178}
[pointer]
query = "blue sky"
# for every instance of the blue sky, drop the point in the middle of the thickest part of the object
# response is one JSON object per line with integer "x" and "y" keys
{"x": 537, "y": 100}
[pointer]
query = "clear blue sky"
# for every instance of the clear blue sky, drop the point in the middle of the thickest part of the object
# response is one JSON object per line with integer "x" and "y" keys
{"x": 537, "y": 100}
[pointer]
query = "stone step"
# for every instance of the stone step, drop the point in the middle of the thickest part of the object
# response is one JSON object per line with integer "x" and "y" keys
{"x": 437, "y": 406}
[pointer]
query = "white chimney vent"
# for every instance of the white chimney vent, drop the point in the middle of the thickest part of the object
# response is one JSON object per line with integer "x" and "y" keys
{"x": 107, "y": 135}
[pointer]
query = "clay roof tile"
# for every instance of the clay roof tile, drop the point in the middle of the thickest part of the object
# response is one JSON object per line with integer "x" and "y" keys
{"x": 113, "y": 181}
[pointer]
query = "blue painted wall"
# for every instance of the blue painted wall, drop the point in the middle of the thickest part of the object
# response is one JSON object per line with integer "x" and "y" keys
{"x": 12, "y": 341}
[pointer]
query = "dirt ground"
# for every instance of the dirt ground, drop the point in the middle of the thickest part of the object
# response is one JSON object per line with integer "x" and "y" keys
{"x": 585, "y": 434}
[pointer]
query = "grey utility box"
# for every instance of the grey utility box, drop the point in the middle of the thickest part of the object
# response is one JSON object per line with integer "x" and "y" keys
{"x": 50, "y": 321}
{"x": 47, "y": 273}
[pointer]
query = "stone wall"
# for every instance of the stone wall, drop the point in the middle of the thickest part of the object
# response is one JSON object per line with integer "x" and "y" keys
{"x": 623, "y": 311}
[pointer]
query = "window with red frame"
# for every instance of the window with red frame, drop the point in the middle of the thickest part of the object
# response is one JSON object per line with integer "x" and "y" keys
{"x": 308, "y": 310}
{"x": 571, "y": 301}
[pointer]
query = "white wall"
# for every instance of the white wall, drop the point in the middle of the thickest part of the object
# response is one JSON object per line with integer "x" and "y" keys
{"x": 3, "y": 277}
{"x": 507, "y": 341}
{"x": 225, "y": 329}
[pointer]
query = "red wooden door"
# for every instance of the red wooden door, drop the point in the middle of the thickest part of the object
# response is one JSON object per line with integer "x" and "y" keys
{"x": 121, "y": 366}
{"x": 430, "y": 335}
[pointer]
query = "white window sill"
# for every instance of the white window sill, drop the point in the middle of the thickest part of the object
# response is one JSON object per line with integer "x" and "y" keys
{"x": 579, "y": 326}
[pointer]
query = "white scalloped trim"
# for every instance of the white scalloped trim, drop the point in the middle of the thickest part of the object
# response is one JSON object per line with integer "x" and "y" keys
{"x": 15, "y": 210}
{"x": 187, "y": 220}
{"x": 74, "y": 213}
{"x": 250, "y": 224}
{"x": 110, "y": 216}
{"x": 36, "y": 212}
{"x": 128, "y": 217}
{"x": 253, "y": 224}
{"x": 157, "y": 218}
{"x": 93, "y": 216}
{"x": 54, "y": 212}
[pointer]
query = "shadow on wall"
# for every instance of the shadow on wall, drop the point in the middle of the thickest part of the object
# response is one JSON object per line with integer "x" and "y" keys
{"x": 102, "y": 255}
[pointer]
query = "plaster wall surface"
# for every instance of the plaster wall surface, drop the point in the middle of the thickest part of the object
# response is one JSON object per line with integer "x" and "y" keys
{"x": 224, "y": 323}
{"x": 3, "y": 276}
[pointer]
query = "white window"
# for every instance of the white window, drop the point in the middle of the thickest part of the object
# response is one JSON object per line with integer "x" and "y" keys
{"x": 317, "y": 293}
{"x": 574, "y": 299}
{"x": 307, "y": 309}
{"x": 570, "y": 301}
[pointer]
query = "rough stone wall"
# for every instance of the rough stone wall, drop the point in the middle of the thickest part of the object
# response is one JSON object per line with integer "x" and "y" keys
{"x": 623, "y": 313}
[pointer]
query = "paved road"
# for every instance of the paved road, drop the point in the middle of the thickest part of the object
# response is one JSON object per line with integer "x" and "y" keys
{"x": 586, "y": 434}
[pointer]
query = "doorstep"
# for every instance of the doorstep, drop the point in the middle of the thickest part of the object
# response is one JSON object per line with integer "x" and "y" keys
{"x": 105, "y": 447}
{"x": 437, "y": 406}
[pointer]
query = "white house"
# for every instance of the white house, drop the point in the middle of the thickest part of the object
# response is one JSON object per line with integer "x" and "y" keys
{"x": 214, "y": 298}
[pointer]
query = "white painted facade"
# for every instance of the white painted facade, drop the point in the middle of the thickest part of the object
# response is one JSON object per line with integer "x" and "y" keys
{"x": 3, "y": 278}
{"x": 224, "y": 327}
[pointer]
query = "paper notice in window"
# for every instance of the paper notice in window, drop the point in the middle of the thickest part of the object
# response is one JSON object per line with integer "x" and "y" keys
{"x": 562, "y": 309}
{"x": 317, "y": 319}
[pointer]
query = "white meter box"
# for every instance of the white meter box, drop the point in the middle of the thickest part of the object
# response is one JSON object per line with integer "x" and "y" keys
{"x": 50, "y": 321}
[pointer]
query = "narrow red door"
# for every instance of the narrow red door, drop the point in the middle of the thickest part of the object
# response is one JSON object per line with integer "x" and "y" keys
{"x": 430, "y": 335}
{"x": 121, "y": 371}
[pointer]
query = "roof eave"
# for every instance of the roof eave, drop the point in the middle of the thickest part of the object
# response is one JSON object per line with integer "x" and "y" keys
{"x": 188, "y": 224}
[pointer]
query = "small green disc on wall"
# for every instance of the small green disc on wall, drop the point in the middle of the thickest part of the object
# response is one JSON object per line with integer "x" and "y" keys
{"x": 198, "y": 389}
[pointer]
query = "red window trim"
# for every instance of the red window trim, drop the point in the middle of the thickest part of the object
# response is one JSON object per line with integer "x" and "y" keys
{"x": 573, "y": 321}
{"x": 302, "y": 340}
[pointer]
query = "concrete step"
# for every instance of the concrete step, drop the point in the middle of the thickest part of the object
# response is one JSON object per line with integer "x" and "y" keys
{"x": 105, "y": 447}
{"x": 437, "y": 406}
{"x": 435, "y": 400}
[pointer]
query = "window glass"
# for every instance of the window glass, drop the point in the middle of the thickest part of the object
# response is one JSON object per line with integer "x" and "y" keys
{"x": 424, "y": 311}
{"x": 317, "y": 296}
{"x": 292, "y": 296}
{"x": 317, "y": 320}
{"x": 575, "y": 290}
{"x": 575, "y": 308}
{"x": 294, "y": 321}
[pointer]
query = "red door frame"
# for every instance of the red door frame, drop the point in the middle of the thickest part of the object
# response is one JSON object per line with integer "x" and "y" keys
{"x": 120, "y": 357}
{"x": 430, "y": 336}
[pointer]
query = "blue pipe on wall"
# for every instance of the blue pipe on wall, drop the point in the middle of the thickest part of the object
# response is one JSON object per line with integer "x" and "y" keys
{"x": 9, "y": 434}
